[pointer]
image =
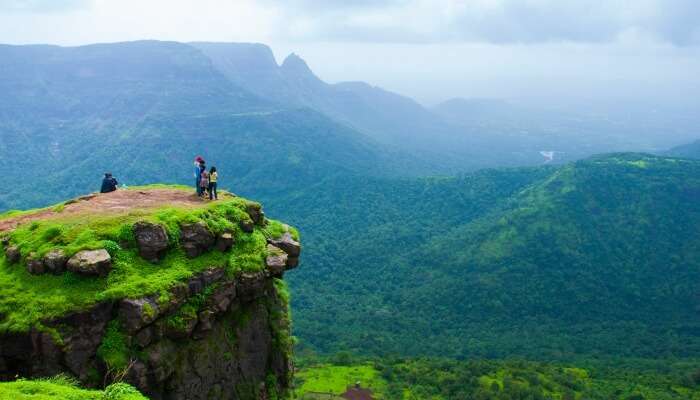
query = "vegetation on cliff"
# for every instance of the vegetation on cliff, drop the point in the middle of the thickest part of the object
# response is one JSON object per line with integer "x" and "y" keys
{"x": 63, "y": 388}
{"x": 152, "y": 286}
{"x": 26, "y": 299}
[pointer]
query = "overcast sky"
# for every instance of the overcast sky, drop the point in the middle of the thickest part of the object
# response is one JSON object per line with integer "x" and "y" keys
{"x": 429, "y": 49}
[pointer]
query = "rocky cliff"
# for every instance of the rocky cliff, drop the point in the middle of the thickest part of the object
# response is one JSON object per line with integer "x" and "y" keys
{"x": 180, "y": 298}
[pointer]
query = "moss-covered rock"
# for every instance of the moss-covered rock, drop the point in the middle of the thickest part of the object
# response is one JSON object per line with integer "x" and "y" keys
{"x": 157, "y": 325}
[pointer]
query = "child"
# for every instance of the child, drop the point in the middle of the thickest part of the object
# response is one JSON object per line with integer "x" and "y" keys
{"x": 213, "y": 177}
{"x": 204, "y": 181}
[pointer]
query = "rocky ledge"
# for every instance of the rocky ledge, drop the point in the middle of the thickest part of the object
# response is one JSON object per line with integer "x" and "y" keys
{"x": 223, "y": 332}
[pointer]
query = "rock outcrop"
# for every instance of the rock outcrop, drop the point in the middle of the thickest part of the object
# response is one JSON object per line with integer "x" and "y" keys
{"x": 35, "y": 265}
{"x": 218, "y": 333}
{"x": 12, "y": 254}
{"x": 226, "y": 349}
{"x": 90, "y": 262}
{"x": 196, "y": 239}
{"x": 290, "y": 247}
{"x": 151, "y": 240}
{"x": 55, "y": 261}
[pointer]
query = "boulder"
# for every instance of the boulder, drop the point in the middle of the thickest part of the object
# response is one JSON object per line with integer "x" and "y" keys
{"x": 276, "y": 260}
{"x": 151, "y": 240}
{"x": 12, "y": 254}
{"x": 255, "y": 213}
{"x": 34, "y": 265}
{"x": 91, "y": 262}
{"x": 220, "y": 300}
{"x": 55, "y": 261}
{"x": 137, "y": 313}
{"x": 246, "y": 226}
{"x": 224, "y": 242}
{"x": 211, "y": 275}
{"x": 196, "y": 239}
{"x": 287, "y": 244}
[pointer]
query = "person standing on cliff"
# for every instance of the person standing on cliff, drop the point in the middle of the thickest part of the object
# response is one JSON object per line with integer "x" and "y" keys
{"x": 198, "y": 162}
{"x": 204, "y": 181}
{"x": 213, "y": 178}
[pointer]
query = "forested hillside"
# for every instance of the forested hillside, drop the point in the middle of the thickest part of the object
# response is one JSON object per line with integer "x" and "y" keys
{"x": 599, "y": 257}
{"x": 143, "y": 110}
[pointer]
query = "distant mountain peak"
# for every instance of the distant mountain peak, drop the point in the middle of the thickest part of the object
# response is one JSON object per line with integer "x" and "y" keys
{"x": 295, "y": 64}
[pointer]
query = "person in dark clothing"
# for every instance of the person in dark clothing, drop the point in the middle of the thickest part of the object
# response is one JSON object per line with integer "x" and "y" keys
{"x": 109, "y": 184}
{"x": 198, "y": 162}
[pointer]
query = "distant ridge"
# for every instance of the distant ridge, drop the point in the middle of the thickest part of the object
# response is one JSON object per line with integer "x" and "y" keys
{"x": 690, "y": 150}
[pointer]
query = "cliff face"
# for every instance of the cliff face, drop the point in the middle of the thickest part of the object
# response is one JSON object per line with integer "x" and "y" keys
{"x": 217, "y": 327}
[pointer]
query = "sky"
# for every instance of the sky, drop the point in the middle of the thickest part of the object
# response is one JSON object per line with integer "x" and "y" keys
{"x": 550, "y": 50}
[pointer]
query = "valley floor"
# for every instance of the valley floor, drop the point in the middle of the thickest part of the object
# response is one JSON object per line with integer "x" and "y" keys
{"x": 442, "y": 379}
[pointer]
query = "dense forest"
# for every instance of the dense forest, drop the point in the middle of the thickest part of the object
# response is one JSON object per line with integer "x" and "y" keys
{"x": 596, "y": 258}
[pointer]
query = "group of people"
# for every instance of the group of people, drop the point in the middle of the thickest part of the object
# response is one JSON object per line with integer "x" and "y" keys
{"x": 205, "y": 181}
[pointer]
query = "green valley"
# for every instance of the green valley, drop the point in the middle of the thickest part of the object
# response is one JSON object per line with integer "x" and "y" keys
{"x": 441, "y": 379}
{"x": 596, "y": 258}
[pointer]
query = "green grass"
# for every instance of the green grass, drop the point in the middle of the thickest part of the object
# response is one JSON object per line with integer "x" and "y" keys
{"x": 15, "y": 213}
{"x": 326, "y": 378}
{"x": 62, "y": 388}
{"x": 443, "y": 379}
{"x": 114, "y": 349}
{"x": 26, "y": 299}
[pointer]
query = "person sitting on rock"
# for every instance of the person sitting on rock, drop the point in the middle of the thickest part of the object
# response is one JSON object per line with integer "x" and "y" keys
{"x": 109, "y": 183}
{"x": 204, "y": 181}
{"x": 213, "y": 177}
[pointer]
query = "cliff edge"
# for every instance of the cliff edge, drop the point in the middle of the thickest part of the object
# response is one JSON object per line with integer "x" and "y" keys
{"x": 183, "y": 299}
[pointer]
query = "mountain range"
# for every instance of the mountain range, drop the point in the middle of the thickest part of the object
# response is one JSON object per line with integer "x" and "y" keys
{"x": 427, "y": 231}
{"x": 79, "y": 111}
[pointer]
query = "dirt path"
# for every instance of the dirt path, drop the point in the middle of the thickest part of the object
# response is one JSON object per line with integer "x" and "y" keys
{"x": 121, "y": 201}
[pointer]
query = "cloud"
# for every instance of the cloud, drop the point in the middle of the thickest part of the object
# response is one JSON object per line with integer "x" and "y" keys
{"x": 494, "y": 21}
{"x": 43, "y": 6}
